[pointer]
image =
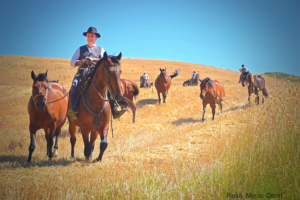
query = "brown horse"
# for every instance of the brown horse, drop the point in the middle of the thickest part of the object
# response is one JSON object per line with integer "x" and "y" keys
{"x": 93, "y": 105}
{"x": 259, "y": 85}
{"x": 212, "y": 93}
{"x": 47, "y": 109}
{"x": 163, "y": 83}
{"x": 130, "y": 90}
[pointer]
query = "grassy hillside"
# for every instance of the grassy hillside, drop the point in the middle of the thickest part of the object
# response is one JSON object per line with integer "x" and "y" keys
{"x": 283, "y": 76}
{"x": 168, "y": 153}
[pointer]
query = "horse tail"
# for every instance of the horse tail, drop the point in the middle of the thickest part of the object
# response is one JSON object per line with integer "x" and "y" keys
{"x": 127, "y": 103}
{"x": 175, "y": 74}
{"x": 136, "y": 89}
{"x": 265, "y": 93}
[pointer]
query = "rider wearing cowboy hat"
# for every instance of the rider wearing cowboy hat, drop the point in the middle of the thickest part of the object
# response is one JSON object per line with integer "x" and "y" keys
{"x": 87, "y": 53}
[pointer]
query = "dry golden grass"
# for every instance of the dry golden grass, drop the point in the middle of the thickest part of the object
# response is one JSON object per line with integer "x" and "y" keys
{"x": 167, "y": 144}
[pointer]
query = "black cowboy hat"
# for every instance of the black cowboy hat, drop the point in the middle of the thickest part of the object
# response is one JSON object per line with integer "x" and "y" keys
{"x": 92, "y": 30}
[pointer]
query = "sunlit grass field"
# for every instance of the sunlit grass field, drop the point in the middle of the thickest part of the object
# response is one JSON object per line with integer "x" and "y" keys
{"x": 168, "y": 153}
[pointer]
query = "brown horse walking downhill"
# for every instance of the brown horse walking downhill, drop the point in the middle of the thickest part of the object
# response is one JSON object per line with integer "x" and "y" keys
{"x": 212, "y": 93}
{"x": 47, "y": 109}
{"x": 130, "y": 90}
{"x": 163, "y": 83}
{"x": 93, "y": 106}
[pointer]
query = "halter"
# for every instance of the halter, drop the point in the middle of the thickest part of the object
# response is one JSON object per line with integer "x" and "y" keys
{"x": 46, "y": 96}
{"x": 107, "y": 82}
{"x": 41, "y": 94}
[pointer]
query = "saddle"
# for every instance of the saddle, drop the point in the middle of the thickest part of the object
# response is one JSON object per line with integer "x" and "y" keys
{"x": 85, "y": 80}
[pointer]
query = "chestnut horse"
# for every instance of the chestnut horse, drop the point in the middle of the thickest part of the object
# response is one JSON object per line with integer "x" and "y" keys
{"x": 212, "y": 93}
{"x": 47, "y": 109}
{"x": 163, "y": 83}
{"x": 131, "y": 90}
{"x": 93, "y": 105}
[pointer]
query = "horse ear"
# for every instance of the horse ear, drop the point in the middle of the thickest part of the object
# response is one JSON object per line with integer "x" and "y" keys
{"x": 45, "y": 75}
{"x": 165, "y": 68}
{"x": 119, "y": 56}
{"x": 105, "y": 56}
{"x": 33, "y": 76}
{"x": 159, "y": 69}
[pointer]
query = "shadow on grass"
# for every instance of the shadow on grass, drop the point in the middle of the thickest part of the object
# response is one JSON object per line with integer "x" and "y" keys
{"x": 185, "y": 120}
{"x": 144, "y": 102}
{"x": 21, "y": 161}
{"x": 238, "y": 107}
{"x": 191, "y": 120}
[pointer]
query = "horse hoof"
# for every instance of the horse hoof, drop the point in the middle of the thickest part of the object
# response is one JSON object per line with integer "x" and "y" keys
{"x": 55, "y": 153}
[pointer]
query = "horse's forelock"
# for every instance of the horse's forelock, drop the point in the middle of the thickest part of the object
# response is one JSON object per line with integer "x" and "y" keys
{"x": 41, "y": 77}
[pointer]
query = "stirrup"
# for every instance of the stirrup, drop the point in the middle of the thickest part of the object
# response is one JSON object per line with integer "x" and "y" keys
{"x": 117, "y": 114}
{"x": 72, "y": 113}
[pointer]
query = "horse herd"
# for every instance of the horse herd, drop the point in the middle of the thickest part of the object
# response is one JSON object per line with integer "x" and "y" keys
{"x": 48, "y": 105}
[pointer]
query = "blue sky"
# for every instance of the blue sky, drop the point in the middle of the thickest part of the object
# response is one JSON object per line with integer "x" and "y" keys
{"x": 262, "y": 34}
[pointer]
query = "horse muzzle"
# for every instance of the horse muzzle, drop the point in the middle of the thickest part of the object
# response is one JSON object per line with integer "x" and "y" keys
{"x": 201, "y": 96}
{"x": 40, "y": 106}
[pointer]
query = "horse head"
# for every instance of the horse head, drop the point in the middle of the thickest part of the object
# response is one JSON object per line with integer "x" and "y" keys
{"x": 39, "y": 90}
{"x": 204, "y": 87}
{"x": 110, "y": 75}
{"x": 163, "y": 73}
{"x": 245, "y": 79}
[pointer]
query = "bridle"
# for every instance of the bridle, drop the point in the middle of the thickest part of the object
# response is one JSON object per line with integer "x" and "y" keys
{"x": 45, "y": 97}
{"x": 107, "y": 82}
{"x": 97, "y": 121}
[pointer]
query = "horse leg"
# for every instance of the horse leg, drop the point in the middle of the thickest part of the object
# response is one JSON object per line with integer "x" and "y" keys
{"x": 263, "y": 99}
{"x": 32, "y": 130}
{"x": 57, "y": 133}
{"x": 133, "y": 115}
{"x": 256, "y": 95}
{"x": 87, "y": 145}
{"x": 72, "y": 131}
{"x": 55, "y": 148}
{"x": 221, "y": 107}
{"x": 158, "y": 97}
{"x": 103, "y": 144}
{"x": 204, "y": 108}
{"x": 165, "y": 96}
{"x": 94, "y": 135}
{"x": 213, "y": 107}
{"x": 49, "y": 136}
{"x": 249, "y": 93}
